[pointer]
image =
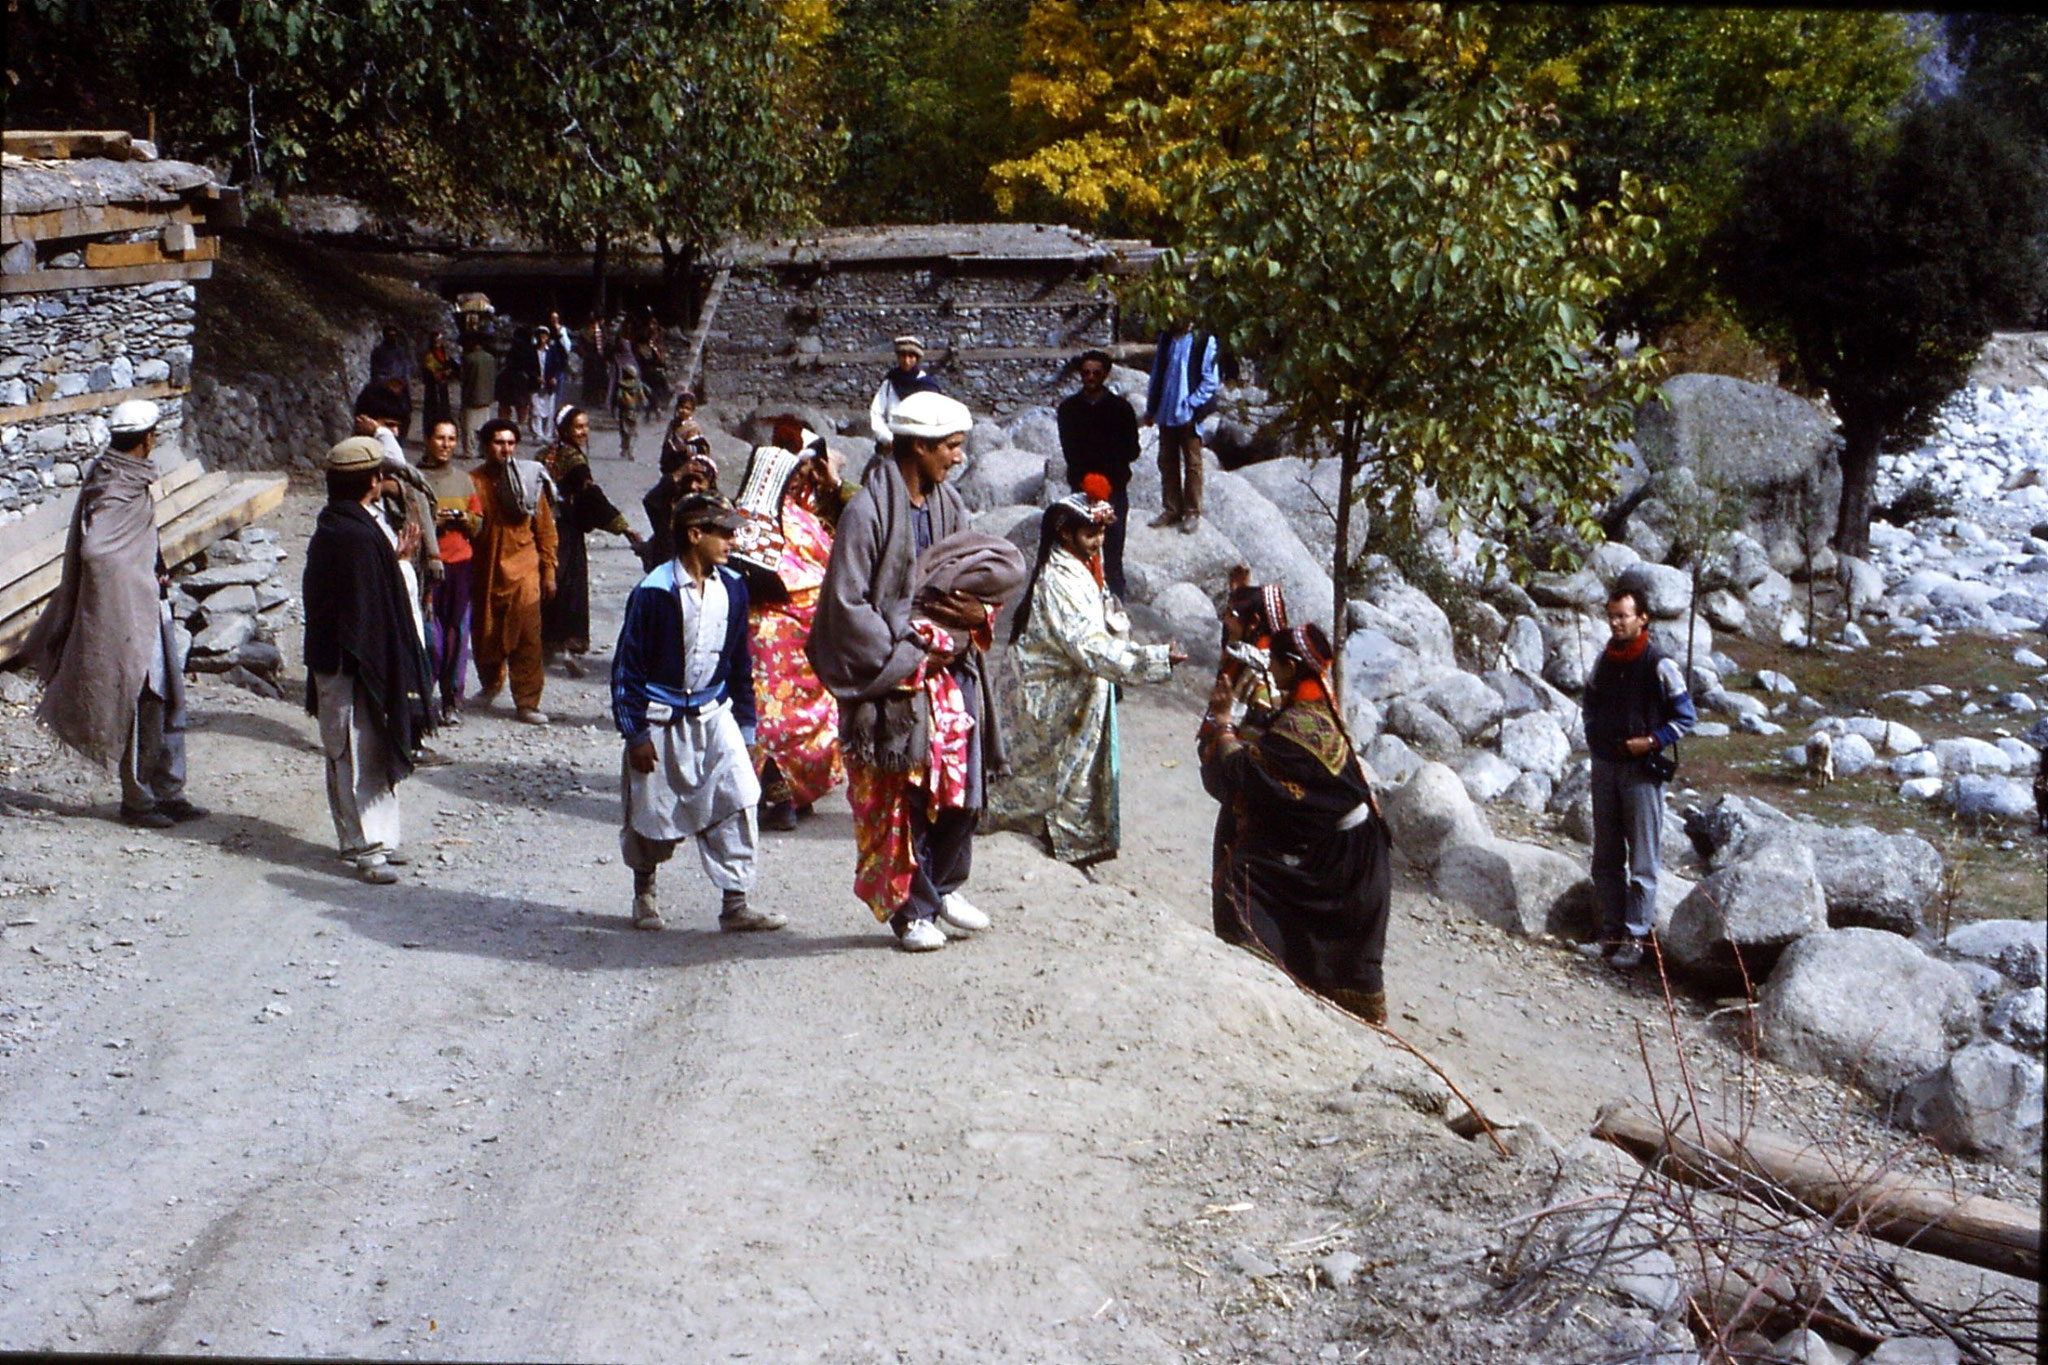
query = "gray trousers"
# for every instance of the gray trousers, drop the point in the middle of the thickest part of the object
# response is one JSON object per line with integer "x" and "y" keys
{"x": 727, "y": 850}
{"x": 360, "y": 796}
{"x": 1628, "y": 816}
{"x": 153, "y": 763}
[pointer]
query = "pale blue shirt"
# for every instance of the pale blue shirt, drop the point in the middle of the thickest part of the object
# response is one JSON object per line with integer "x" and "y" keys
{"x": 1176, "y": 405}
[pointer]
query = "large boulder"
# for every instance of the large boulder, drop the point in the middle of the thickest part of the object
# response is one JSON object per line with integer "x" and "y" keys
{"x": 1204, "y": 558}
{"x": 1535, "y": 743}
{"x": 1874, "y": 880}
{"x": 1002, "y": 477}
{"x": 1306, "y": 492}
{"x": 1770, "y": 447}
{"x": 1968, "y": 754}
{"x": 1391, "y": 758}
{"x": 1404, "y": 613}
{"x": 1865, "y": 1007}
{"x": 1188, "y": 617}
{"x": 1522, "y": 645}
{"x": 1266, "y": 541}
{"x": 1577, "y": 915}
{"x": 1413, "y": 720}
{"x": 1514, "y": 886}
{"x": 1466, "y": 702}
{"x": 1378, "y": 667}
{"x": 2014, "y": 948}
{"x": 1036, "y": 430}
{"x": 1569, "y": 652}
{"x": 1666, "y": 591}
{"x": 1487, "y": 776}
{"x": 1977, "y": 796}
{"x": 1734, "y": 925}
{"x": 1739, "y": 563}
{"x": 1984, "y": 1100}
{"x": 1430, "y": 814}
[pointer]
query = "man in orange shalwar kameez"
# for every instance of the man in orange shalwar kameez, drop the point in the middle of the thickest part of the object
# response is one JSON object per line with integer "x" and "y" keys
{"x": 514, "y": 573}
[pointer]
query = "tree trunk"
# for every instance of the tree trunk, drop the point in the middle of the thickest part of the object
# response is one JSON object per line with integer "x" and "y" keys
{"x": 1859, "y": 482}
{"x": 1347, "y": 484}
{"x": 599, "y": 261}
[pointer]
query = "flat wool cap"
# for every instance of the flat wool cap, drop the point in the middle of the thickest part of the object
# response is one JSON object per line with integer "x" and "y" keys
{"x": 357, "y": 452}
{"x": 913, "y": 344}
{"x": 930, "y": 416}
{"x": 134, "y": 417}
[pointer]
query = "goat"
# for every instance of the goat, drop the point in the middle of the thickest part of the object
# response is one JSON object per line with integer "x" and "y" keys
{"x": 1820, "y": 758}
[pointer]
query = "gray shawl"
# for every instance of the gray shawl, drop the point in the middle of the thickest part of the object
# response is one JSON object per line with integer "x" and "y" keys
{"x": 94, "y": 643}
{"x": 861, "y": 645}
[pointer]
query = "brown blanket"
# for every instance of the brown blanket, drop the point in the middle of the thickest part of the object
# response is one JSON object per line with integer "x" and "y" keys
{"x": 95, "y": 641}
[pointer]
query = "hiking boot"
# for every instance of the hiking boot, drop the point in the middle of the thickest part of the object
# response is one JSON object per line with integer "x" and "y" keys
{"x": 747, "y": 920}
{"x": 1627, "y": 956}
{"x": 779, "y": 816}
{"x": 152, "y": 818}
{"x": 920, "y": 936}
{"x": 181, "y": 810}
{"x": 379, "y": 873}
{"x": 959, "y": 913}
{"x": 1164, "y": 519}
{"x": 532, "y": 715}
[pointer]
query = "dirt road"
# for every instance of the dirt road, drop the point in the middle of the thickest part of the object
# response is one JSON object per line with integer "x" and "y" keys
{"x": 248, "y": 1104}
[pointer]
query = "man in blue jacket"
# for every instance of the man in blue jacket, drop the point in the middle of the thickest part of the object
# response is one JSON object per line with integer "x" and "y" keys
{"x": 1185, "y": 383}
{"x": 683, "y": 697}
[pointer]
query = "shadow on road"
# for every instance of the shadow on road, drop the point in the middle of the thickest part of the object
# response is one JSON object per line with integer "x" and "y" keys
{"x": 433, "y": 919}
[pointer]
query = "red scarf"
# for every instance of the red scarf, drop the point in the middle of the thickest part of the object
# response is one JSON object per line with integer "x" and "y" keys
{"x": 1630, "y": 652}
{"x": 1311, "y": 689}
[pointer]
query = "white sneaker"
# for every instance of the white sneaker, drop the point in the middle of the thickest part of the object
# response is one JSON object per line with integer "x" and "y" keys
{"x": 921, "y": 936}
{"x": 959, "y": 913}
{"x": 533, "y": 716}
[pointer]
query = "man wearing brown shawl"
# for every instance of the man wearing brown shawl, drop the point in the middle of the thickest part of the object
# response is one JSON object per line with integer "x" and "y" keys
{"x": 515, "y": 571}
{"x": 113, "y": 675}
{"x": 869, "y": 651}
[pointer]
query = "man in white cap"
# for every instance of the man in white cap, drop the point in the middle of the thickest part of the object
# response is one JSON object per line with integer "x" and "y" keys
{"x": 869, "y": 651}
{"x": 367, "y": 677}
{"x": 113, "y": 675}
{"x": 908, "y": 377}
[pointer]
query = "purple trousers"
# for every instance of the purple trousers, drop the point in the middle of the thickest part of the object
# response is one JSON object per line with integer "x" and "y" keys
{"x": 448, "y": 632}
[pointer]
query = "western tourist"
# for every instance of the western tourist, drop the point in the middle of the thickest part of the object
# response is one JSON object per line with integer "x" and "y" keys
{"x": 683, "y": 698}
{"x": 1305, "y": 873}
{"x": 366, "y": 676}
{"x": 1185, "y": 382}
{"x": 458, "y": 515}
{"x": 582, "y": 509}
{"x": 916, "y": 775}
{"x": 113, "y": 673}
{"x": 514, "y": 571}
{"x": 906, "y": 377}
{"x": 1637, "y": 708}
{"x": 1070, "y": 650}
{"x": 1099, "y": 435}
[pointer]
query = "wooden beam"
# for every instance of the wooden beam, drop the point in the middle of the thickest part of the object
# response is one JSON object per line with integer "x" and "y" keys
{"x": 116, "y": 144}
{"x": 39, "y": 537}
{"x": 94, "y": 220}
{"x": 49, "y": 281}
{"x": 112, "y": 255}
{"x": 87, "y": 402}
{"x": 1974, "y": 1229}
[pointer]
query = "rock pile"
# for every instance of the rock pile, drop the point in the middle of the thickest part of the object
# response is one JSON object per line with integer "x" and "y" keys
{"x": 230, "y": 604}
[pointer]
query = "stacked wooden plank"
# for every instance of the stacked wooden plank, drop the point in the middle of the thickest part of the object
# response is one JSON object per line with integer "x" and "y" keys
{"x": 193, "y": 509}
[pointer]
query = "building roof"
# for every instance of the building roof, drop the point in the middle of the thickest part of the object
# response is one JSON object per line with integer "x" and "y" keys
{"x": 74, "y": 171}
{"x": 895, "y": 243}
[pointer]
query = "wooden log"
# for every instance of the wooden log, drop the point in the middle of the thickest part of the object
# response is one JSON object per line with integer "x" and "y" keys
{"x": 93, "y": 220}
{"x": 87, "y": 402}
{"x": 1974, "y": 1229}
{"x": 115, "y": 144}
{"x": 49, "y": 281}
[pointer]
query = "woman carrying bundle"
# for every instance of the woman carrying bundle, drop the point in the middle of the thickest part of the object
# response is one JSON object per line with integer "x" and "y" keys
{"x": 1302, "y": 871}
{"x": 1070, "y": 646}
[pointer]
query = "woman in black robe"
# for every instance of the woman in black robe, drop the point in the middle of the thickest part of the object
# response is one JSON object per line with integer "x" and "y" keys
{"x": 580, "y": 508}
{"x": 1302, "y": 873}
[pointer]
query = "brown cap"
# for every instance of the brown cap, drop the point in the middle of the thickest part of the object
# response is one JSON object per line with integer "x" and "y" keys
{"x": 357, "y": 452}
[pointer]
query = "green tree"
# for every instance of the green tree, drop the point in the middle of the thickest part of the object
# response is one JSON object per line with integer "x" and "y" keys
{"x": 2005, "y": 60}
{"x": 1678, "y": 94}
{"x": 921, "y": 88}
{"x": 1881, "y": 264}
{"x": 1392, "y": 245}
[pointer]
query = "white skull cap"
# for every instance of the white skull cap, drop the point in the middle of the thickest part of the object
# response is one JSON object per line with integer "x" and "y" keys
{"x": 134, "y": 417}
{"x": 930, "y": 416}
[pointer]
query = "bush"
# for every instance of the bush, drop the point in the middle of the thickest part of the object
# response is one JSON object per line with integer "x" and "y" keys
{"x": 1916, "y": 501}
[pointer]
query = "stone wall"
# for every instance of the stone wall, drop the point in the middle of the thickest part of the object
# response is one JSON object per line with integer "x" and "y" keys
{"x": 280, "y": 421}
{"x": 76, "y": 342}
{"x": 998, "y": 338}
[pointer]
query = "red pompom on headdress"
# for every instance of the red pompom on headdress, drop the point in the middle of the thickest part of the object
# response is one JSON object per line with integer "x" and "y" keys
{"x": 1096, "y": 487}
